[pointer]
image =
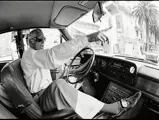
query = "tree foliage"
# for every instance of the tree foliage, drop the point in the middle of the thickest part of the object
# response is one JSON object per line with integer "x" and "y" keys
{"x": 146, "y": 12}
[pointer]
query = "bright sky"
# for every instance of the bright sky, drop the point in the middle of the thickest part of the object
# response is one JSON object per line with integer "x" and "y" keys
{"x": 135, "y": 2}
{"x": 156, "y": 3}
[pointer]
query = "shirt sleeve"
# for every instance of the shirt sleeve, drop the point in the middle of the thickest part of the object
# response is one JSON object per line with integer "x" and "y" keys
{"x": 60, "y": 54}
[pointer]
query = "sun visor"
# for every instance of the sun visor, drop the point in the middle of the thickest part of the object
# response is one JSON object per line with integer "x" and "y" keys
{"x": 68, "y": 14}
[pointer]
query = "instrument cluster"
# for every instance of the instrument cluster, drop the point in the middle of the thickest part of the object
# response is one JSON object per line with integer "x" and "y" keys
{"x": 118, "y": 69}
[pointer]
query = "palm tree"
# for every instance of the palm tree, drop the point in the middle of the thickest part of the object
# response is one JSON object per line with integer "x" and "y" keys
{"x": 145, "y": 12}
{"x": 154, "y": 29}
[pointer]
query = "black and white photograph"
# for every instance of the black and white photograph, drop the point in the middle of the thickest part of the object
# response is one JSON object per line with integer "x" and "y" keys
{"x": 79, "y": 59}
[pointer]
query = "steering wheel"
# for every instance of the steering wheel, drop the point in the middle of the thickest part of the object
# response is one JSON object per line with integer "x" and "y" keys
{"x": 81, "y": 70}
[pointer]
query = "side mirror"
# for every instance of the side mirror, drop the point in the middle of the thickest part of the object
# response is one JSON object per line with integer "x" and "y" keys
{"x": 97, "y": 12}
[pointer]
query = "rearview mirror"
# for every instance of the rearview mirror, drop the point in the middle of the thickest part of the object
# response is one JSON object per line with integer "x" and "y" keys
{"x": 97, "y": 12}
{"x": 100, "y": 10}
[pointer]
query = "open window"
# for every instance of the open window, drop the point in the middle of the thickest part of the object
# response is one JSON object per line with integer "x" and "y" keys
{"x": 53, "y": 37}
{"x": 8, "y": 50}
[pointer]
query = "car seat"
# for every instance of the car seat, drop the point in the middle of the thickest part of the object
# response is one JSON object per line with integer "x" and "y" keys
{"x": 14, "y": 84}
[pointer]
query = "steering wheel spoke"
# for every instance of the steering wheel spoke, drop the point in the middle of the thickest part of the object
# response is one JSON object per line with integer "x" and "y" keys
{"x": 81, "y": 70}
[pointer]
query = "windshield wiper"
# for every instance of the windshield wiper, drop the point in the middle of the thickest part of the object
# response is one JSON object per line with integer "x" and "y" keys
{"x": 121, "y": 55}
{"x": 128, "y": 57}
{"x": 140, "y": 60}
{"x": 135, "y": 58}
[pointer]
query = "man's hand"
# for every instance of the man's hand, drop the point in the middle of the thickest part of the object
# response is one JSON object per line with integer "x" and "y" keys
{"x": 102, "y": 38}
{"x": 99, "y": 36}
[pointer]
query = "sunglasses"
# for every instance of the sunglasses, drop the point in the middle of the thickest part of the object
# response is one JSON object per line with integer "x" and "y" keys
{"x": 39, "y": 40}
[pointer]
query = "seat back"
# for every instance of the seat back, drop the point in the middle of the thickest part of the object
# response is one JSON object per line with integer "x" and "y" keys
{"x": 15, "y": 86}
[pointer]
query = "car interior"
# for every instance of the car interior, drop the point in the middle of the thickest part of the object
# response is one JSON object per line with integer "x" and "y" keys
{"x": 112, "y": 78}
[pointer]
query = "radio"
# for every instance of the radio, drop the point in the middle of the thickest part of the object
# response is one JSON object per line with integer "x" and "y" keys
{"x": 114, "y": 93}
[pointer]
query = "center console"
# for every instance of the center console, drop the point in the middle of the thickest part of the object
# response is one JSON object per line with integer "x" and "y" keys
{"x": 112, "y": 94}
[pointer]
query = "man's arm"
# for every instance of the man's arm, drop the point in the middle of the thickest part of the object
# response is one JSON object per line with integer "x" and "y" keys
{"x": 60, "y": 54}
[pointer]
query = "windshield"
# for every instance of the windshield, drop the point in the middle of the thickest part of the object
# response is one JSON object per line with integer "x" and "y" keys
{"x": 129, "y": 35}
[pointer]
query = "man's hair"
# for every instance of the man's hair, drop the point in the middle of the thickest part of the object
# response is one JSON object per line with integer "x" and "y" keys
{"x": 34, "y": 34}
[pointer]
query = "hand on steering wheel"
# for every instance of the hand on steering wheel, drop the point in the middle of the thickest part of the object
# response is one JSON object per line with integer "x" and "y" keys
{"x": 81, "y": 70}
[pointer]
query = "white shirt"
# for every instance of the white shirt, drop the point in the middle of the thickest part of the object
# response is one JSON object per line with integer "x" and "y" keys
{"x": 36, "y": 64}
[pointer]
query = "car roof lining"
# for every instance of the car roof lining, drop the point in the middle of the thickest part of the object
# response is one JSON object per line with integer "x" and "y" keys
{"x": 16, "y": 15}
{"x": 22, "y": 14}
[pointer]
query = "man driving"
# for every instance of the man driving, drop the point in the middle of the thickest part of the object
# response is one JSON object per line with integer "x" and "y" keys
{"x": 58, "y": 94}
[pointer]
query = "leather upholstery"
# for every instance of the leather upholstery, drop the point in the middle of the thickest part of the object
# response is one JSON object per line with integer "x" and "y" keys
{"x": 15, "y": 86}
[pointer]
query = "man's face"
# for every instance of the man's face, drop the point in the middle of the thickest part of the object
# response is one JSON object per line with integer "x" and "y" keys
{"x": 38, "y": 44}
{"x": 36, "y": 39}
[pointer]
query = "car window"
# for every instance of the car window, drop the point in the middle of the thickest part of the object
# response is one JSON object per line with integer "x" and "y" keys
{"x": 7, "y": 47}
{"x": 53, "y": 38}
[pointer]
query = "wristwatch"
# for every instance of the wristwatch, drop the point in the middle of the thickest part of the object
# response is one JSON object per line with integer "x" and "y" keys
{"x": 124, "y": 103}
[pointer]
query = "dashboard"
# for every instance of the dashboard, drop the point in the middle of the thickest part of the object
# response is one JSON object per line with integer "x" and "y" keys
{"x": 121, "y": 70}
{"x": 123, "y": 77}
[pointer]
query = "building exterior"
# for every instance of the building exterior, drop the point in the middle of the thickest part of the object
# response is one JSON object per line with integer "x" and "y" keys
{"x": 129, "y": 34}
